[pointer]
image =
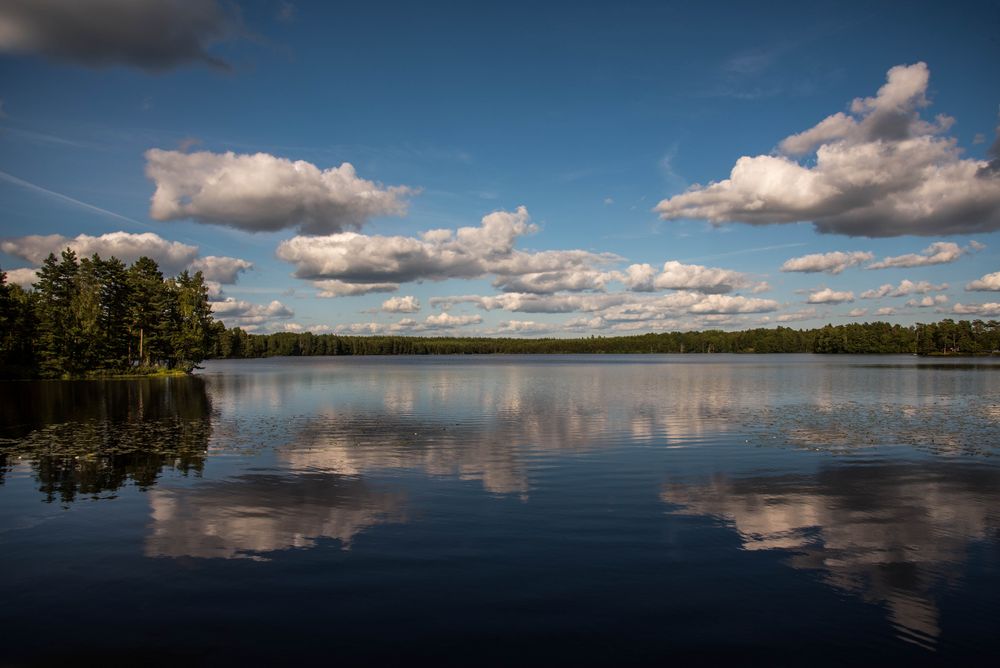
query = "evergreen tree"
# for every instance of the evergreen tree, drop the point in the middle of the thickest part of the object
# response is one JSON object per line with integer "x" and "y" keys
{"x": 148, "y": 296}
{"x": 192, "y": 334}
{"x": 59, "y": 338}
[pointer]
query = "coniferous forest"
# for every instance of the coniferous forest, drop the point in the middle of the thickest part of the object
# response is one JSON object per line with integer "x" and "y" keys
{"x": 946, "y": 337}
{"x": 95, "y": 317}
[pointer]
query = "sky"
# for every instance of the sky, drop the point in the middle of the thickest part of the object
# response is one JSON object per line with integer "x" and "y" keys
{"x": 514, "y": 169}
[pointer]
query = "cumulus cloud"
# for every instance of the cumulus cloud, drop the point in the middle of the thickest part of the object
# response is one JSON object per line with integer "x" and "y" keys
{"x": 433, "y": 323}
{"x": 678, "y": 276}
{"x": 829, "y": 296}
{"x": 531, "y": 281}
{"x": 886, "y": 310}
{"x": 716, "y": 304}
{"x": 221, "y": 269}
{"x": 939, "y": 252}
{"x": 408, "y": 304}
{"x": 249, "y": 316}
{"x": 879, "y": 171}
{"x": 989, "y": 282}
{"x": 928, "y": 301}
{"x": 523, "y": 327}
{"x": 830, "y": 263}
{"x": 548, "y": 282}
{"x": 857, "y": 312}
{"x": 990, "y": 309}
{"x": 171, "y": 256}
{"x": 262, "y": 192}
{"x": 534, "y": 303}
{"x": 22, "y": 277}
{"x": 797, "y": 316}
{"x": 153, "y": 35}
{"x": 446, "y": 320}
{"x": 617, "y": 307}
{"x": 905, "y": 287}
{"x": 435, "y": 255}
{"x": 334, "y": 288}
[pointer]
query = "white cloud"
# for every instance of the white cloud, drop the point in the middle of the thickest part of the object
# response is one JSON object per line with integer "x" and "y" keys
{"x": 617, "y": 307}
{"x": 857, "y": 312}
{"x": 830, "y": 263}
{"x": 880, "y": 171}
{"x": 221, "y": 269}
{"x": 172, "y": 256}
{"x": 334, "y": 288}
{"x": 905, "y": 287}
{"x": 408, "y": 304}
{"x": 523, "y": 327}
{"x": 356, "y": 260}
{"x": 153, "y": 35}
{"x": 928, "y": 301}
{"x": 989, "y": 282}
{"x": 886, "y": 310}
{"x": 447, "y": 321}
{"x": 990, "y": 309}
{"x": 239, "y": 313}
{"x": 571, "y": 280}
{"x": 939, "y": 252}
{"x": 433, "y": 323}
{"x": 22, "y": 277}
{"x": 533, "y": 303}
{"x": 678, "y": 276}
{"x": 717, "y": 304}
{"x": 797, "y": 316}
{"x": 436, "y": 255}
{"x": 828, "y": 296}
{"x": 262, "y": 192}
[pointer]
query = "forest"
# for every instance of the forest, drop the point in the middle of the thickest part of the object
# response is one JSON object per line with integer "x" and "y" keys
{"x": 946, "y": 337}
{"x": 93, "y": 317}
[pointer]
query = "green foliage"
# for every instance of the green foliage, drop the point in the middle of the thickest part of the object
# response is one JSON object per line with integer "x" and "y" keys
{"x": 99, "y": 317}
{"x": 18, "y": 329}
{"x": 945, "y": 337}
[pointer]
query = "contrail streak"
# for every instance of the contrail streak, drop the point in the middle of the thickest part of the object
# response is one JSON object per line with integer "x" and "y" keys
{"x": 10, "y": 178}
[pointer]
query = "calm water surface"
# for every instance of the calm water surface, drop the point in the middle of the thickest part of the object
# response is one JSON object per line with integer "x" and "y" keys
{"x": 532, "y": 510}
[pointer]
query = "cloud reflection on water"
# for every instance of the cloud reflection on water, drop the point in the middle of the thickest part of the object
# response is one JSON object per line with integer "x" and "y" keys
{"x": 247, "y": 516}
{"x": 888, "y": 532}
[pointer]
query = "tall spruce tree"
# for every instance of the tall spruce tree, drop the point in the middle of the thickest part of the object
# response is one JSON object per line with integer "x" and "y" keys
{"x": 59, "y": 336}
{"x": 147, "y": 311}
{"x": 192, "y": 334}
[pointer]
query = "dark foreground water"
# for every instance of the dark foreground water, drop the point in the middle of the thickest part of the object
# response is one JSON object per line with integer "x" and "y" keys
{"x": 517, "y": 510}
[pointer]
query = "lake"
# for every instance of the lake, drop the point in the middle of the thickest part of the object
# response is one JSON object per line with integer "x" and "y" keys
{"x": 510, "y": 509}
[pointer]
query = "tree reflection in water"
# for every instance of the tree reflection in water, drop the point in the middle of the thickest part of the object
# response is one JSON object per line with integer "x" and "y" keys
{"x": 90, "y": 438}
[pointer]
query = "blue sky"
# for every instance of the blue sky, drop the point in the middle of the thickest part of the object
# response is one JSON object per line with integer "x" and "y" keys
{"x": 620, "y": 169}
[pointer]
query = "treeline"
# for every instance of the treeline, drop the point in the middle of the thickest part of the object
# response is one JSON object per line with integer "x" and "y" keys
{"x": 944, "y": 337}
{"x": 100, "y": 317}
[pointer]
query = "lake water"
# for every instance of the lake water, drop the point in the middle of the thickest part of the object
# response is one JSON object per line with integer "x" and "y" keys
{"x": 530, "y": 510}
